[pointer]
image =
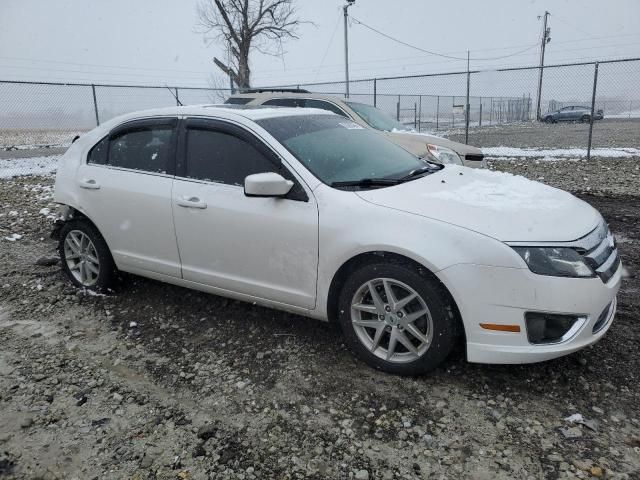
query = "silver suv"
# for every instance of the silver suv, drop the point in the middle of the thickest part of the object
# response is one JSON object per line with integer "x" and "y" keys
{"x": 423, "y": 145}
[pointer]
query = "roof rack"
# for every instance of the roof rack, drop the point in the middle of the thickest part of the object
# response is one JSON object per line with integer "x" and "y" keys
{"x": 267, "y": 90}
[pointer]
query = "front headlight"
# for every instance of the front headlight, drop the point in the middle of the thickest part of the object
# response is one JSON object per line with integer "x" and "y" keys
{"x": 443, "y": 155}
{"x": 555, "y": 261}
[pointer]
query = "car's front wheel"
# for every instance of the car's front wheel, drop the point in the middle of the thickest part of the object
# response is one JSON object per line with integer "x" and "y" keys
{"x": 85, "y": 256}
{"x": 585, "y": 119}
{"x": 396, "y": 319}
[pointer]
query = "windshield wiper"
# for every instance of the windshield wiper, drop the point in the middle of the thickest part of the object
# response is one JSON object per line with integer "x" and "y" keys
{"x": 368, "y": 182}
{"x": 417, "y": 172}
{"x": 421, "y": 171}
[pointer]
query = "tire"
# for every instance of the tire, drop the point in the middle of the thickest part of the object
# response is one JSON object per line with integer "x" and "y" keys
{"x": 585, "y": 119}
{"x": 85, "y": 256}
{"x": 437, "y": 327}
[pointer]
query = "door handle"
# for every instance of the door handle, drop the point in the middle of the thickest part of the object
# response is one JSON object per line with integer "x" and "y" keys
{"x": 191, "y": 202}
{"x": 89, "y": 183}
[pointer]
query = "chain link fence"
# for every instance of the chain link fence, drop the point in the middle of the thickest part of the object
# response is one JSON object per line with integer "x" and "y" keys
{"x": 499, "y": 113}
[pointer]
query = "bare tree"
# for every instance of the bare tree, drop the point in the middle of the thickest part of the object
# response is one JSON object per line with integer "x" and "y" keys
{"x": 245, "y": 25}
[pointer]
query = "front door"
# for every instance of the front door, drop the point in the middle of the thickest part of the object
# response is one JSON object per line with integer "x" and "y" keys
{"x": 262, "y": 247}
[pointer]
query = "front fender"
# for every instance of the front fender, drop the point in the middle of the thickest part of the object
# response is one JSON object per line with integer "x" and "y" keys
{"x": 351, "y": 227}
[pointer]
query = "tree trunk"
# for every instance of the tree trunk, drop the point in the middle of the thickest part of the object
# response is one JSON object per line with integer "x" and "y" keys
{"x": 244, "y": 73}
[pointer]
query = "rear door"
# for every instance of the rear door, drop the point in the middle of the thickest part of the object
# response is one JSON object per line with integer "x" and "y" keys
{"x": 261, "y": 247}
{"x": 565, "y": 113}
{"x": 125, "y": 189}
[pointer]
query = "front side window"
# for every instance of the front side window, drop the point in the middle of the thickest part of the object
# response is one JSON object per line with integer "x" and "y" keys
{"x": 143, "y": 148}
{"x": 335, "y": 149}
{"x": 220, "y": 157}
{"x": 376, "y": 118}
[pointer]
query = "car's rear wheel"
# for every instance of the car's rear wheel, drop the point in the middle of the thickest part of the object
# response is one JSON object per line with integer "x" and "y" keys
{"x": 585, "y": 119}
{"x": 396, "y": 319}
{"x": 85, "y": 256}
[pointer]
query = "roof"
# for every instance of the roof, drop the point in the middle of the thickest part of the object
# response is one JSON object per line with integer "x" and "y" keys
{"x": 280, "y": 94}
{"x": 275, "y": 89}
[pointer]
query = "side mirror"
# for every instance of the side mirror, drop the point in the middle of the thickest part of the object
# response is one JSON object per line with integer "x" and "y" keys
{"x": 266, "y": 185}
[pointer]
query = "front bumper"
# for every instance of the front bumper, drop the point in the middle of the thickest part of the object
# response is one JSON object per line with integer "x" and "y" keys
{"x": 498, "y": 295}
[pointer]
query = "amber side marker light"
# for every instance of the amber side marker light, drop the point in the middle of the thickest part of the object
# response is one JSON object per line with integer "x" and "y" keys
{"x": 501, "y": 328}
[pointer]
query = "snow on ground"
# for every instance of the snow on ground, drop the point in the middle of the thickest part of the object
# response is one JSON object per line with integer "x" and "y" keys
{"x": 35, "y": 146}
{"x": 627, "y": 114}
{"x": 559, "y": 153}
{"x": 16, "y": 167}
{"x": 11, "y": 139}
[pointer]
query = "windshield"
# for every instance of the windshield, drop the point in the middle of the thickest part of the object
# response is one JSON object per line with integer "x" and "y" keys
{"x": 335, "y": 149}
{"x": 376, "y": 118}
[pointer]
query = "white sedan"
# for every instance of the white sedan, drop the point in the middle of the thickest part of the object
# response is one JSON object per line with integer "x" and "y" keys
{"x": 306, "y": 211}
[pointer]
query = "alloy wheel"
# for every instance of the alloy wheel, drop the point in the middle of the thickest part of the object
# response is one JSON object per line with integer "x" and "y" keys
{"x": 82, "y": 258}
{"x": 392, "y": 320}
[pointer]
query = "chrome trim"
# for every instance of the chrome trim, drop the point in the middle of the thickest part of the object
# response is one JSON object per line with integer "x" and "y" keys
{"x": 587, "y": 242}
{"x": 575, "y": 328}
{"x": 131, "y": 170}
{"x": 610, "y": 314}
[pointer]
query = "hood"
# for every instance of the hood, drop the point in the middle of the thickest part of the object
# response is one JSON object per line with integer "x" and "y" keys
{"x": 416, "y": 143}
{"x": 500, "y": 205}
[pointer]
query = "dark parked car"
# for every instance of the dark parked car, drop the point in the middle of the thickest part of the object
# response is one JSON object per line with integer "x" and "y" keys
{"x": 573, "y": 113}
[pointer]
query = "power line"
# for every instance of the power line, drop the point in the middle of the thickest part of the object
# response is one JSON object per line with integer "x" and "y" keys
{"x": 436, "y": 53}
{"x": 335, "y": 29}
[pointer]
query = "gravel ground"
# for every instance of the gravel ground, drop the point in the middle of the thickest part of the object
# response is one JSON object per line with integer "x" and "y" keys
{"x": 159, "y": 382}
{"x": 606, "y": 133}
{"x": 600, "y": 176}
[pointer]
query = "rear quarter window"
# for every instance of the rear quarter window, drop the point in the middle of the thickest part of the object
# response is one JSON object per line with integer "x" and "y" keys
{"x": 238, "y": 100}
{"x": 98, "y": 154}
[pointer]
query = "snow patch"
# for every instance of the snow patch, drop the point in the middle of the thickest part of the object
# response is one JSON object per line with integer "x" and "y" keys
{"x": 501, "y": 191}
{"x": 17, "y": 167}
{"x": 555, "y": 153}
{"x": 13, "y": 237}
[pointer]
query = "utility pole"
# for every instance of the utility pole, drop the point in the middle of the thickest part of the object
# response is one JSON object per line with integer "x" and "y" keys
{"x": 346, "y": 45}
{"x": 546, "y": 38}
{"x": 467, "y": 106}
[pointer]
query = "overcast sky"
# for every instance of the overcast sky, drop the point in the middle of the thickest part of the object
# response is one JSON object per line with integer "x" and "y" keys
{"x": 155, "y": 41}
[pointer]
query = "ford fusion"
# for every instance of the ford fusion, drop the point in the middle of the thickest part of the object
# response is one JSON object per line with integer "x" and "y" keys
{"x": 308, "y": 212}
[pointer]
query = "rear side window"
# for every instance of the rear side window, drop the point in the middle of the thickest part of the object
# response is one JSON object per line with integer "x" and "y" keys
{"x": 224, "y": 158}
{"x": 238, "y": 100}
{"x": 144, "y": 148}
{"x": 285, "y": 102}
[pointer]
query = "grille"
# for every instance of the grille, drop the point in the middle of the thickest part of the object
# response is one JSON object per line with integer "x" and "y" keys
{"x": 474, "y": 157}
{"x": 600, "y": 252}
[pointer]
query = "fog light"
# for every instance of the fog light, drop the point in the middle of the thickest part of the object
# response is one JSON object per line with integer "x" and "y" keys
{"x": 550, "y": 328}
